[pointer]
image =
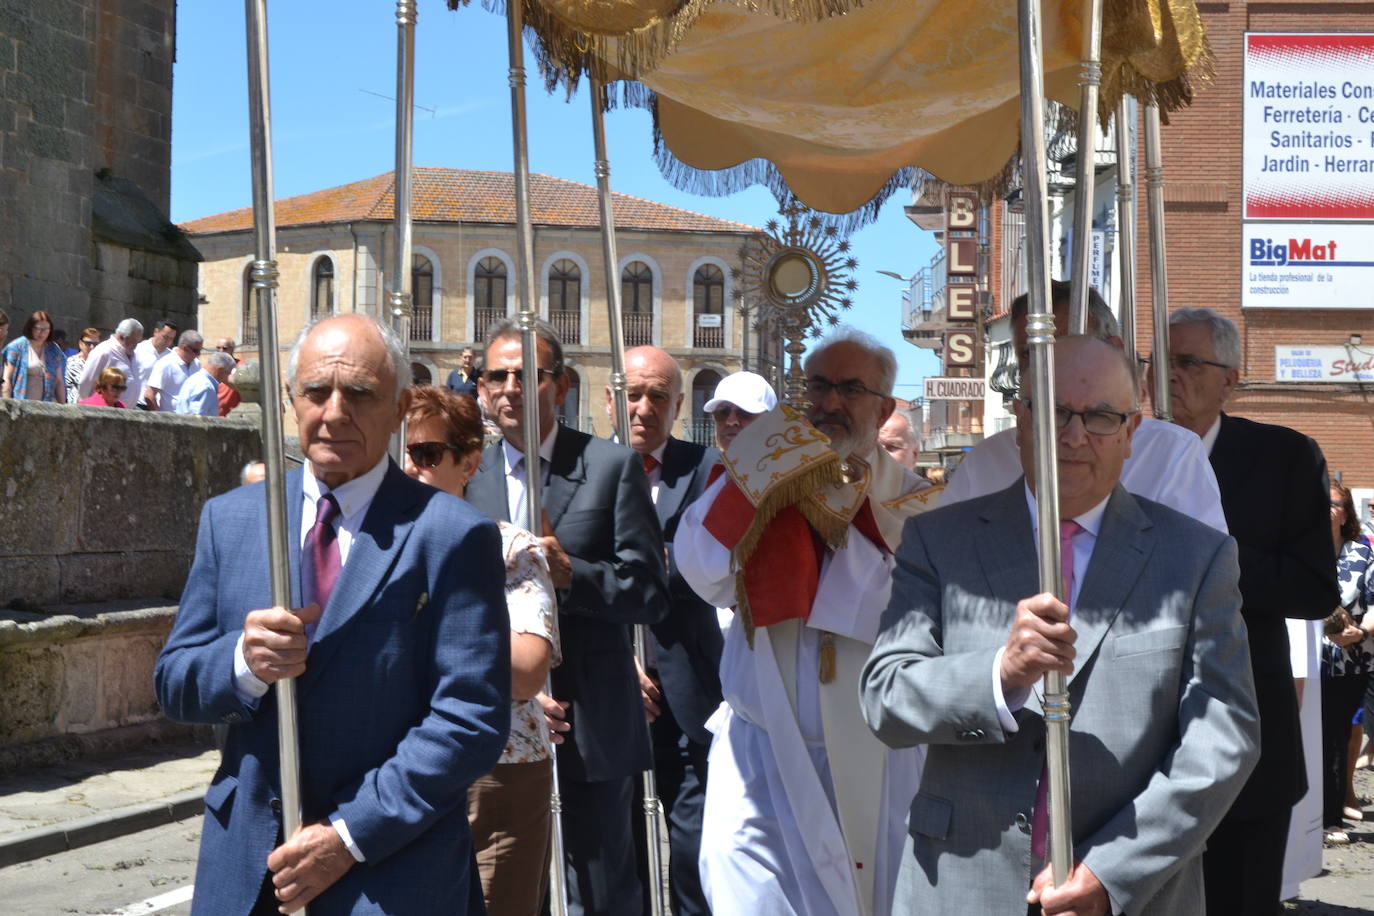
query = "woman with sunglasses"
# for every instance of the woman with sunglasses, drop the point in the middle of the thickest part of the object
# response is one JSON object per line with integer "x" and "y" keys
{"x": 35, "y": 367}
{"x": 75, "y": 364}
{"x": 110, "y": 385}
{"x": 508, "y": 809}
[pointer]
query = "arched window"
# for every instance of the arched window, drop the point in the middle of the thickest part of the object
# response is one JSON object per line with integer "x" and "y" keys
{"x": 488, "y": 295}
{"x": 322, "y": 288}
{"x": 565, "y": 300}
{"x": 700, "y": 427}
{"x": 421, "y": 298}
{"x": 248, "y": 333}
{"x": 567, "y": 411}
{"x": 637, "y": 303}
{"x": 420, "y": 374}
{"x": 708, "y": 306}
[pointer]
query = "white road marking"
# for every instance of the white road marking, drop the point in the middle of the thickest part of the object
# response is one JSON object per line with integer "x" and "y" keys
{"x": 153, "y": 904}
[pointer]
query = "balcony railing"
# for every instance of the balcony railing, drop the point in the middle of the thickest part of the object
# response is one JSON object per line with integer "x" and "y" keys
{"x": 701, "y": 430}
{"x": 639, "y": 328}
{"x": 482, "y": 320}
{"x": 568, "y": 324}
{"x": 708, "y": 337}
{"x": 422, "y": 322}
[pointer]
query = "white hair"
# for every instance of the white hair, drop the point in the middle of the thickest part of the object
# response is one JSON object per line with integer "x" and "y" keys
{"x": 884, "y": 357}
{"x": 1225, "y": 337}
{"x": 395, "y": 350}
{"x": 220, "y": 360}
{"x": 129, "y": 326}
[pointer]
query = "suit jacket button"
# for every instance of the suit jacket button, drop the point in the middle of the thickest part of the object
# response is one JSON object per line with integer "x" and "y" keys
{"x": 233, "y": 717}
{"x": 1023, "y": 823}
{"x": 275, "y": 805}
{"x": 978, "y": 734}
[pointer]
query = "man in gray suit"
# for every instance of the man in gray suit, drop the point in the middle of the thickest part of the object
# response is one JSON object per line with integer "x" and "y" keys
{"x": 1165, "y": 727}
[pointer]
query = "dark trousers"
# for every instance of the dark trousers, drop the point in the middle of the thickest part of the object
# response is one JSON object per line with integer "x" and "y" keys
{"x": 597, "y": 839}
{"x": 680, "y": 770}
{"x": 1341, "y": 696}
{"x": 1243, "y": 865}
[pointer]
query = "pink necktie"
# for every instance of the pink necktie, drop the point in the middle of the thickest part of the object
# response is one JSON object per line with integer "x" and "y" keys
{"x": 321, "y": 551}
{"x": 1040, "y": 819}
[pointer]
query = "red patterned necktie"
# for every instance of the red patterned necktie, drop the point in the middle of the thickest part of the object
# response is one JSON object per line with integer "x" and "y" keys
{"x": 322, "y": 551}
{"x": 1040, "y": 819}
{"x": 650, "y": 462}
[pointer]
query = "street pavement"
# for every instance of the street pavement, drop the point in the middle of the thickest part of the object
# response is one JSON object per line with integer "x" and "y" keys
{"x": 118, "y": 836}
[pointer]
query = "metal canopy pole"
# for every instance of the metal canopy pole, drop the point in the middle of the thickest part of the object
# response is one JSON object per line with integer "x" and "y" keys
{"x": 653, "y": 810}
{"x": 1159, "y": 270}
{"x": 399, "y": 295}
{"x": 534, "y": 480}
{"x": 1040, "y": 333}
{"x": 264, "y": 276}
{"x": 1125, "y": 220}
{"x": 1085, "y": 168}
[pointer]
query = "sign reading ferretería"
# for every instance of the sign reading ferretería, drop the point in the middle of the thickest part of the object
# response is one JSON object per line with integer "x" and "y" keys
{"x": 1323, "y": 364}
{"x": 1309, "y": 126}
{"x": 1307, "y": 266}
{"x": 956, "y": 389}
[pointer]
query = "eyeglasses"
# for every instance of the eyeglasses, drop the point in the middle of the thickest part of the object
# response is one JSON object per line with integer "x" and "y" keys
{"x": 725, "y": 412}
{"x": 225, "y": 349}
{"x": 1096, "y": 422}
{"x": 1187, "y": 362}
{"x": 817, "y": 389}
{"x": 498, "y": 377}
{"x": 89, "y": 343}
{"x": 429, "y": 454}
{"x": 119, "y": 387}
{"x": 195, "y": 349}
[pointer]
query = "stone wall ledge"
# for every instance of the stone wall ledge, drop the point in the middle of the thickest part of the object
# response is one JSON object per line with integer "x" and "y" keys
{"x": 67, "y": 622}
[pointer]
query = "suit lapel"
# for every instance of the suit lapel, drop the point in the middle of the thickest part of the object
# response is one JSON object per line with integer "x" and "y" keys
{"x": 1007, "y": 550}
{"x": 675, "y": 479}
{"x": 388, "y": 523}
{"x": 295, "y": 498}
{"x": 1124, "y": 544}
{"x": 1230, "y": 458}
{"x": 567, "y": 472}
{"x": 487, "y": 490}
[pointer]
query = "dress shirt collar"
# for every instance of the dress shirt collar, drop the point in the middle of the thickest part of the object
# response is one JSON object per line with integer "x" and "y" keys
{"x": 353, "y": 497}
{"x": 513, "y": 454}
{"x": 1209, "y": 438}
{"x": 1090, "y": 520}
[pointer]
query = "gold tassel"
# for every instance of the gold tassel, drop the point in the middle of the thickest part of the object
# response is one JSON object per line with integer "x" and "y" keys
{"x": 827, "y": 666}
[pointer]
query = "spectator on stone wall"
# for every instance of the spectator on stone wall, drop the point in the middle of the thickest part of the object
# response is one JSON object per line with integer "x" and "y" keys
{"x": 109, "y": 389}
{"x": 200, "y": 394}
{"x": 172, "y": 371}
{"x": 228, "y": 393}
{"x": 34, "y": 365}
{"x": 146, "y": 355}
{"x": 76, "y": 364}
{"x": 116, "y": 352}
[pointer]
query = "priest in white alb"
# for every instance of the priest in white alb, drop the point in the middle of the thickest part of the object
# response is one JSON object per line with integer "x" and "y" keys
{"x": 805, "y": 809}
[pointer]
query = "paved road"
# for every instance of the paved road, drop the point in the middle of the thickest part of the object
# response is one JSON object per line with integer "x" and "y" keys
{"x": 145, "y": 873}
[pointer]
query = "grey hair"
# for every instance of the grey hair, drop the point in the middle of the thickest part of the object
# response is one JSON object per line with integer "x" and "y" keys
{"x": 505, "y": 328}
{"x": 220, "y": 360}
{"x": 1101, "y": 322}
{"x": 244, "y": 471}
{"x": 883, "y": 356}
{"x": 190, "y": 338}
{"x": 395, "y": 349}
{"x": 1127, "y": 362}
{"x": 910, "y": 427}
{"x": 1225, "y": 337}
{"x": 129, "y": 326}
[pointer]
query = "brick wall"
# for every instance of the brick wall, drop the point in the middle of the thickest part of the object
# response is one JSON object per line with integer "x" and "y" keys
{"x": 1202, "y": 158}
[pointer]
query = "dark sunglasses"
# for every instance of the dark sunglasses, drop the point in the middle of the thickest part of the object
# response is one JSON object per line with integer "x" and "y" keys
{"x": 498, "y": 376}
{"x": 429, "y": 454}
{"x": 119, "y": 387}
{"x": 89, "y": 343}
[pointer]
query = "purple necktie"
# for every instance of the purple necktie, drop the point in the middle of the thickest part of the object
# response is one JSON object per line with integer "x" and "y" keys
{"x": 321, "y": 552}
{"x": 1040, "y": 819}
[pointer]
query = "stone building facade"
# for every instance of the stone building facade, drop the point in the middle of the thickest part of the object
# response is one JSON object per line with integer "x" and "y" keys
{"x": 335, "y": 247}
{"x": 85, "y": 163}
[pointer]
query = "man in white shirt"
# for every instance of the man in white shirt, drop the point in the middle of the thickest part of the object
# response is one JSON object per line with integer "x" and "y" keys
{"x": 172, "y": 371}
{"x": 1167, "y": 463}
{"x": 116, "y": 352}
{"x": 200, "y": 394}
{"x": 146, "y": 355}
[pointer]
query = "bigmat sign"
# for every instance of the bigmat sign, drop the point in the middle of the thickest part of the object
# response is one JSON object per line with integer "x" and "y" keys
{"x": 1309, "y": 126}
{"x": 1308, "y": 266}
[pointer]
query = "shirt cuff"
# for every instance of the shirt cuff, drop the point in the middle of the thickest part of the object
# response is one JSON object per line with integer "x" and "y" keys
{"x": 337, "y": 822}
{"x": 1006, "y": 706}
{"x": 246, "y": 683}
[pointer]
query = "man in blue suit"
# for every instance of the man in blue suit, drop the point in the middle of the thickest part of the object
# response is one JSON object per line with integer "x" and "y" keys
{"x": 399, "y": 643}
{"x": 681, "y": 689}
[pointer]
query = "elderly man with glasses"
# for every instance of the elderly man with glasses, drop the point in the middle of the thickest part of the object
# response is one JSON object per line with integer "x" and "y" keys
{"x": 803, "y": 804}
{"x": 1274, "y": 493}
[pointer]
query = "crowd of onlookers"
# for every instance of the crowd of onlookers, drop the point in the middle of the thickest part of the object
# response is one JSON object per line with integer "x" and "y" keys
{"x": 170, "y": 370}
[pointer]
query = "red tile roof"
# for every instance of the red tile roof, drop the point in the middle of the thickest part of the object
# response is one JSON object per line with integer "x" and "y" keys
{"x": 465, "y": 195}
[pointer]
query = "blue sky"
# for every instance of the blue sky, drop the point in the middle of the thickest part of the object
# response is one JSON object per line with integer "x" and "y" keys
{"x": 333, "y": 69}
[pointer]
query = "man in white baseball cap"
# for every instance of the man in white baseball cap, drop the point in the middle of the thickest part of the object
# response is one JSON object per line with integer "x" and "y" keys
{"x": 738, "y": 400}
